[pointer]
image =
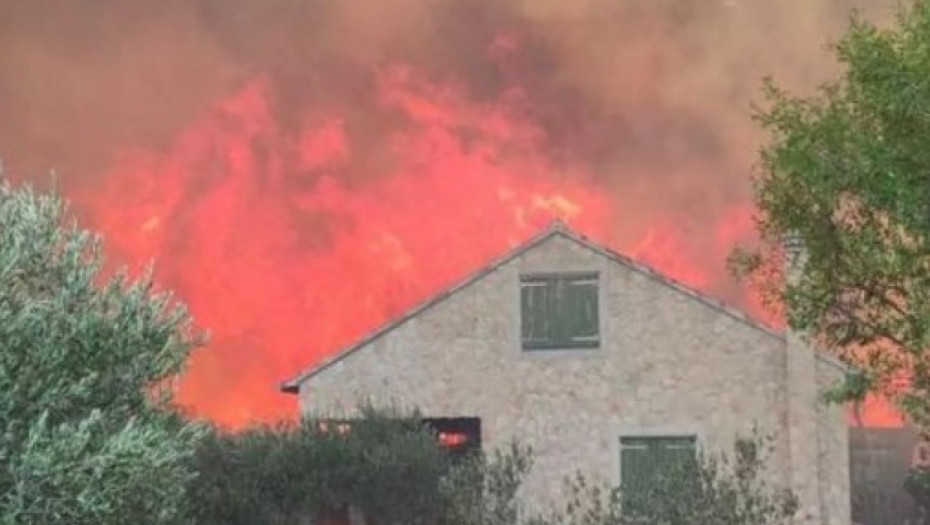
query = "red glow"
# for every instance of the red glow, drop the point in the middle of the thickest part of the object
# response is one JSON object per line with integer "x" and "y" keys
{"x": 452, "y": 439}
{"x": 284, "y": 260}
{"x": 285, "y": 256}
{"x": 341, "y": 428}
{"x": 876, "y": 412}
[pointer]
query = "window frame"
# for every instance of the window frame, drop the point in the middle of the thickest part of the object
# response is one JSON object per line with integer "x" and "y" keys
{"x": 569, "y": 344}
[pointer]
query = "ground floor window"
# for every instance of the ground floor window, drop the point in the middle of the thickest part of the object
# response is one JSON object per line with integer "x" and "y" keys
{"x": 644, "y": 460}
{"x": 461, "y": 436}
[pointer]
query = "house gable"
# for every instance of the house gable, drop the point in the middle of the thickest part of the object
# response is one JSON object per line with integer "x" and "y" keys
{"x": 670, "y": 362}
{"x": 556, "y": 232}
{"x": 667, "y": 363}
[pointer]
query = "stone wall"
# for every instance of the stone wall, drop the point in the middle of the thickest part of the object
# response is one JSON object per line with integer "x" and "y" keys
{"x": 668, "y": 363}
{"x": 833, "y": 446}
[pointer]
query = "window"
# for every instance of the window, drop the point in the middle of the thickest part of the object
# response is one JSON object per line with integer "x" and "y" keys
{"x": 644, "y": 461}
{"x": 460, "y": 436}
{"x": 559, "y": 311}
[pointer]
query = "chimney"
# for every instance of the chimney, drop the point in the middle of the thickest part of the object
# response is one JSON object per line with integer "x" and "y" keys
{"x": 803, "y": 399}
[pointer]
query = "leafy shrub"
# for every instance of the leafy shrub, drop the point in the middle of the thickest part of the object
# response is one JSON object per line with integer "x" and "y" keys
{"x": 713, "y": 490}
{"x": 385, "y": 463}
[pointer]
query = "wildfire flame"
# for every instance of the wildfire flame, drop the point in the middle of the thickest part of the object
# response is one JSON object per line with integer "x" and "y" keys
{"x": 285, "y": 262}
{"x": 304, "y": 171}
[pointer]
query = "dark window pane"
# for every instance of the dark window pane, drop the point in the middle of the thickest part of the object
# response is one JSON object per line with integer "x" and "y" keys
{"x": 460, "y": 436}
{"x": 559, "y": 311}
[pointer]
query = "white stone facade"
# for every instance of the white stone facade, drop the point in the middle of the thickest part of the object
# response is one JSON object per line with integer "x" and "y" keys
{"x": 670, "y": 362}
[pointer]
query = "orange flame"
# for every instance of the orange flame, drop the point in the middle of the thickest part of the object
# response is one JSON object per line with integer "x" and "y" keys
{"x": 298, "y": 210}
{"x": 284, "y": 260}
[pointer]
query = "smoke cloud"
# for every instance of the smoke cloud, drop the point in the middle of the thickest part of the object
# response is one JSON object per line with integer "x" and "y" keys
{"x": 637, "y": 89}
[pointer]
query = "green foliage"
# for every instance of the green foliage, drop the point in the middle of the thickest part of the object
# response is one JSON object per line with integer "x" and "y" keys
{"x": 484, "y": 489}
{"x": 917, "y": 485}
{"x": 387, "y": 465}
{"x": 721, "y": 489}
{"x": 86, "y": 437}
{"x": 392, "y": 469}
{"x": 847, "y": 172}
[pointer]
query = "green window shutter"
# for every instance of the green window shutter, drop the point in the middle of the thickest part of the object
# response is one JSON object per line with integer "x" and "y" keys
{"x": 635, "y": 465}
{"x": 558, "y": 307}
{"x": 580, "y": 311}
{"x": 560, "y": 311}
{"x": 536, "y": 312}
{"x": 644, "y": 461}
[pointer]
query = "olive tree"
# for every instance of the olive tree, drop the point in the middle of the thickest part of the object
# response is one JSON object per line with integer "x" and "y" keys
{"x": 87, "y": 434}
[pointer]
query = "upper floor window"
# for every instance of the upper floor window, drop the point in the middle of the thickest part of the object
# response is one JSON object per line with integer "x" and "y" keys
{"x": 559, "y": 311}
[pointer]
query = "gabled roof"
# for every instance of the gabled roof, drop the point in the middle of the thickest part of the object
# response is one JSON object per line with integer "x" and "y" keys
{"x": 557, "y": 229}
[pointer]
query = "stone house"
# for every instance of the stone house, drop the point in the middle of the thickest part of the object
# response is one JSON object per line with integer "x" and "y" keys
{"x": 599, "y": 362}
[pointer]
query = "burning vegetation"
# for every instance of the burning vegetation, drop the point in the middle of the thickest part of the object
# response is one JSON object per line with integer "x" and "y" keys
{"x": 302, "y": 171}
